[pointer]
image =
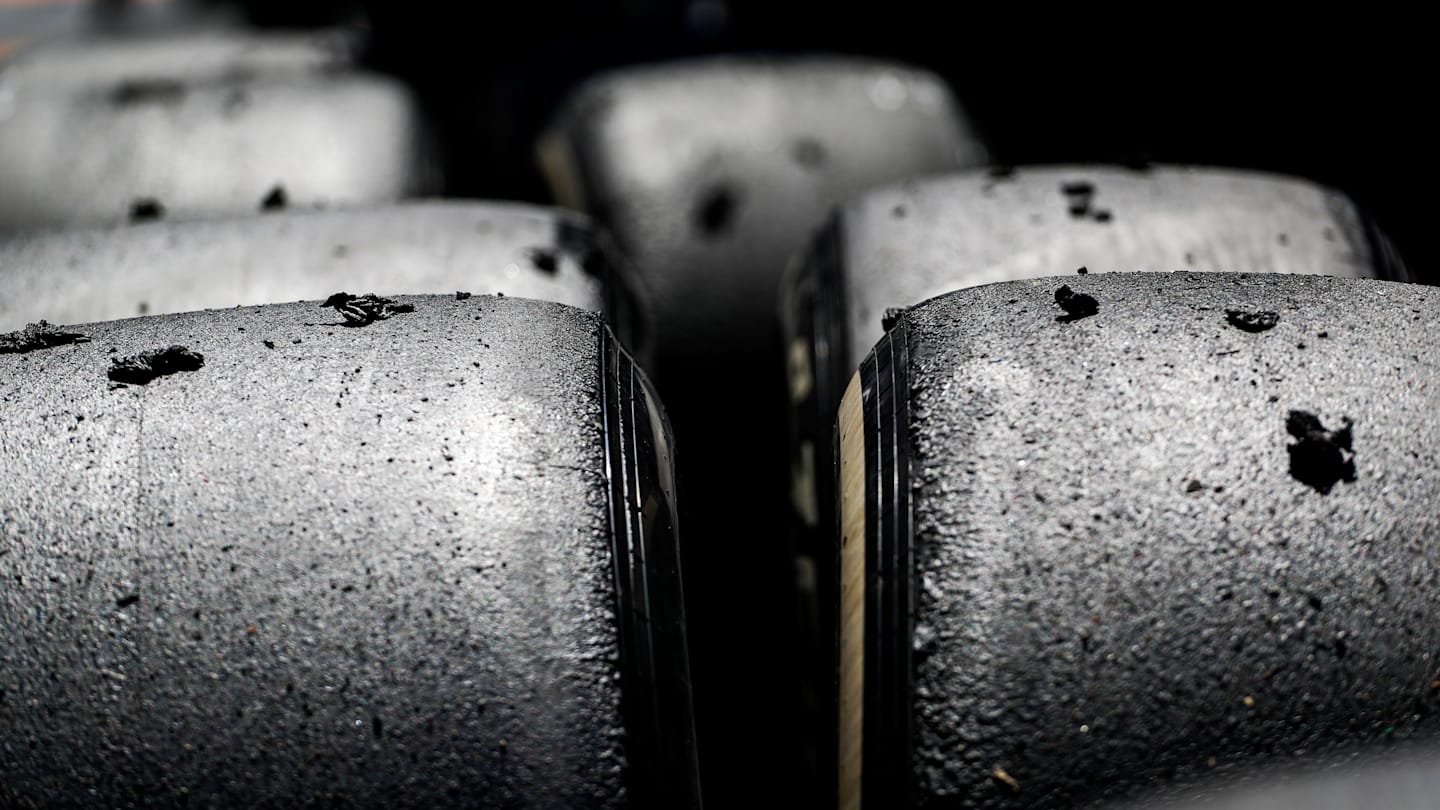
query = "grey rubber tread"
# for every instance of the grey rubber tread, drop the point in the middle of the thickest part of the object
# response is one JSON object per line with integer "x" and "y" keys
{"x": 894, "y": 247}
{"x": 423, "y": 247}
{"x": 712, "y": 173}
{"x": 1117, "y": 574}
{"x": 368, "y": 565}
{"x": 908, "y": 243}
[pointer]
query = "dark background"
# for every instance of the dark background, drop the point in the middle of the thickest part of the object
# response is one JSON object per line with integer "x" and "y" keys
{"x": 1342, "y": 97}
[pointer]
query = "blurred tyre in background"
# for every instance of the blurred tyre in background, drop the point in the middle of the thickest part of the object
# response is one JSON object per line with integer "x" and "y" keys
{"x": 84, "y": 60}
{"x": 525, "y": 251}
{"x": 712, "y": 174}
{"x": 205, "y": 126}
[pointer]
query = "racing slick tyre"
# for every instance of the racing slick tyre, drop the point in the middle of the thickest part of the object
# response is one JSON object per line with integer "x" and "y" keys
{"x": 420, "y": 552}
{"x": 897, "y": 246}
{"x": 1099, "y": 534}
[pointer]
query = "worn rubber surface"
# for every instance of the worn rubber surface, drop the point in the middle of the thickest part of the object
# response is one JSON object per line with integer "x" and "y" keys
{"x": 78, "y": 149}
{"x": 425, "y": 562}
{"x": 432, "y": 247}
{"x": 712, "y": 173}
{"x": 895, "y": 247}
{"x": 1099, "y": 559}
{"x": 904, "y": 244}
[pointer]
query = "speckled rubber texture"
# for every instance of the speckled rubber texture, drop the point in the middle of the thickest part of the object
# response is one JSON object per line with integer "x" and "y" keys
{"x": 913, "y": 241}
{"x": 412, "y": 248}
{"x": 713, "y": 173}
{"x": 894, "y": 247}
{"x": 1119, "y": 584}
{"x": 372, "y": 566}
{"x": 91, "y": 146}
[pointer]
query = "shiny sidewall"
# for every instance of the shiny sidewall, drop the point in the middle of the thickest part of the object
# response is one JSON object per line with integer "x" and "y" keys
{"x": 876, "y": 588}
{"x": 644, "y": 535}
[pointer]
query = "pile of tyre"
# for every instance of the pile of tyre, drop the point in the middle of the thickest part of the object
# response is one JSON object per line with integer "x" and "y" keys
{"x": 973, "y": 486}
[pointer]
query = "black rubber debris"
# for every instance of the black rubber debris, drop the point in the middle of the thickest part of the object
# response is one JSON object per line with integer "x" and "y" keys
{"x": 146, "y": 209}
{"x": 582, "y": 245}
{"x": 461, "y": 295}
{"x": 1080, "y": 200}
{"x": 891, "y": 317}
{"x": 1252, "y": 320}
{"x": 1082, "y": 270}
{"x": 715, "y": 210}
{"x": 140, "y": 369}
{"x": 276, "y": 200}
{"x": 1320, "y": 458}
{"x": 544, "y": 260}
{"x": 37, "y": 336}
{"x": 808, "y": 153}
{"x": 363, "y": 310}
{"x": 127, "y": 600}
{"x": 1076, "y": 305}
{"x": 269, "y": 344}
{"x": 147, "y": 91}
